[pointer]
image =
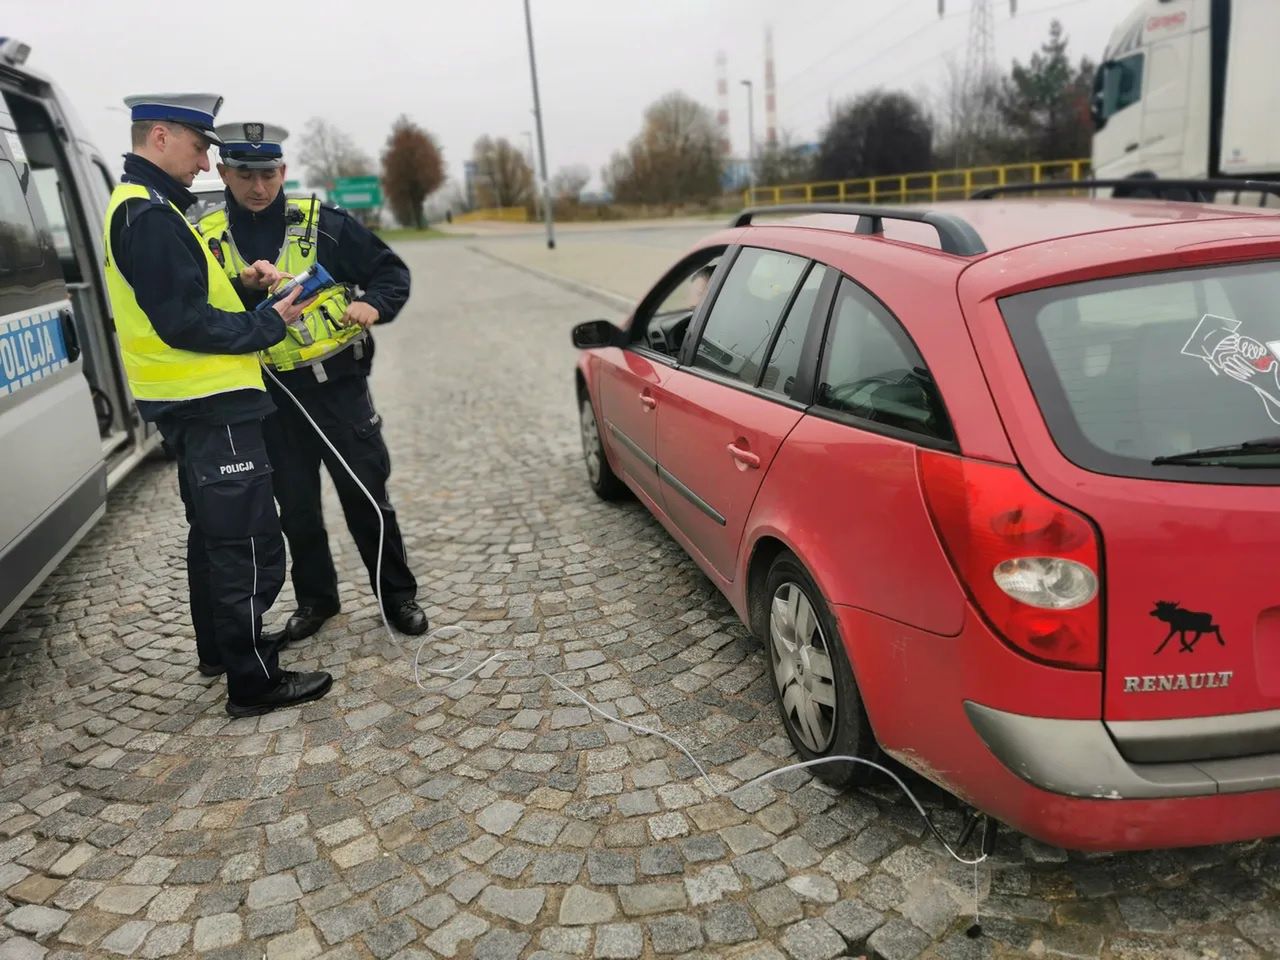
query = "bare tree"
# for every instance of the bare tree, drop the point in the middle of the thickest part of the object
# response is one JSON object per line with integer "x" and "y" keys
{"x": 411, "y": 170}
{"x": 970, "y": 127}
{"x": 569, "y": 181}
{"x": 328, "y": 153}
{"x": 675, "y": 158}
{"x": 502, "y": 174}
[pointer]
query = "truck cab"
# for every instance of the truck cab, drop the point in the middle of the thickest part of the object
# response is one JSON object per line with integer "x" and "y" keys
{"x": 69, "y": 428}
{"x": 1186, "y": 89}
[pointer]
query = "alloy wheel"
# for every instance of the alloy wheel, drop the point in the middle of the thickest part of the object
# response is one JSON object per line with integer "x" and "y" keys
{"x": 590, "y": 441}
{"x": 802, "y": 668}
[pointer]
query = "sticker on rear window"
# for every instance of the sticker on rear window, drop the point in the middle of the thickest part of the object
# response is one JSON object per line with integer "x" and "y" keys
{"x": 1218, "y": 342}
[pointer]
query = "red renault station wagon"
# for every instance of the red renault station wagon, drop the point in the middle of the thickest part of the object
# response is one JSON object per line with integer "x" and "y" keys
{"x": 994, "y": 482}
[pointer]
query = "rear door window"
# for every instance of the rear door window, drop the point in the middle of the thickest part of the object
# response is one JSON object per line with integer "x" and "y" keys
{"x": 746, "y": 312}
{"x": 873, "y": 373}
{"x": 781, "y": 371}
{"x": 1136, "y": 368}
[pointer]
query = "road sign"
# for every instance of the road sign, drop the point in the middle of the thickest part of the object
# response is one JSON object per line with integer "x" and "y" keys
{"x": 292, "y": 185}
{"x": 357, "y": 193}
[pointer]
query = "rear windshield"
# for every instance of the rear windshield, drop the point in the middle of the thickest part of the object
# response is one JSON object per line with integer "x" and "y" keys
{"x": 1132, "y": 369}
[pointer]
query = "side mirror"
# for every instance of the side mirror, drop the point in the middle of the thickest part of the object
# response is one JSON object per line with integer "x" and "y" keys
{"x": 596, "y": 333}
{"x": 1095, "y": 112}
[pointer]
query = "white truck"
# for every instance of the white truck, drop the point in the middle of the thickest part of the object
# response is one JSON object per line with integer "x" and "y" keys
{"x": 1190, "y": 89}
{"x": 69, "y": 429}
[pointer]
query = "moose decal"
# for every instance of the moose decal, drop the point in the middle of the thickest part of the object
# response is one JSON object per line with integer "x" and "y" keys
{"x": 1183, "y": 622}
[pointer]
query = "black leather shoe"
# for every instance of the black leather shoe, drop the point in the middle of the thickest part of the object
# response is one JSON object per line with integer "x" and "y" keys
{"x": 211, "y": 669}
{"x": 304, "y": 622}
{"x": 294, "y": 688}
{"x": 408, "y": 617}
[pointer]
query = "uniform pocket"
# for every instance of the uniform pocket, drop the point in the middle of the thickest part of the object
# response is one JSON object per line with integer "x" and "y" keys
{"x": 233, "y": 496}
{"x": 369, "y": 428}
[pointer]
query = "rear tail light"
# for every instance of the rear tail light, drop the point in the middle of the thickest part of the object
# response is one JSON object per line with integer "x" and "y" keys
{"x": 1029, "y": 563}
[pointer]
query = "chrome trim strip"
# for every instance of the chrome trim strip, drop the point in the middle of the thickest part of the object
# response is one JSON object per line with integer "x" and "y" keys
{"x": 689, "y": 495}
{"x": 631, "y": 445}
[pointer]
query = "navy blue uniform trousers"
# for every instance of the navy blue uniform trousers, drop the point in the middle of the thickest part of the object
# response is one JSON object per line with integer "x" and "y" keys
{"x": 235, "y": 551}
{"x": 343, "y": 409}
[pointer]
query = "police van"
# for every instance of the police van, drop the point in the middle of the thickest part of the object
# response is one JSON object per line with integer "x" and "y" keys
{"x": 69, "y": 429}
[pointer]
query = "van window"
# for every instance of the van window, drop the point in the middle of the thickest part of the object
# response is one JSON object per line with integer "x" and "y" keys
{"x": 20, "y": 242}
{"x": 55, "y": 210}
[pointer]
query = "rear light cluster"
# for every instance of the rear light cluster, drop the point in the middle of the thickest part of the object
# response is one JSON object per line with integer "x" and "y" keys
{"x": 1029, "y": 563}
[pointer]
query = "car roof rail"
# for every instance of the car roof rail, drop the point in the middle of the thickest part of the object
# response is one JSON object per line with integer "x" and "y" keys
{"x": 954, "y": 234}
{"x": 1135, "y": 186}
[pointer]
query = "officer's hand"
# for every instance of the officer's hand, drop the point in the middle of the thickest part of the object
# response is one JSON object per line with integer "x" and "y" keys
{"x": 262, "y": 275}
{"x": 290, "y": 308}
{"x": 361, "y": 313}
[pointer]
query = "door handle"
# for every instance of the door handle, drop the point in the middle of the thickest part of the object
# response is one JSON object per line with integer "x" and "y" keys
{"x": 1130, "y": 148}
{"x": 744, "y": 456}
{"x": 71, "y": 339}
{"x": 647, "y": 401}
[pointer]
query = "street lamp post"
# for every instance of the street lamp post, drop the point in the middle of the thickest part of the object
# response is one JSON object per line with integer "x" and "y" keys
{"x": 751, "y": 140}
{"x": 542, "y": 148}
{"x": 533, "y": 168}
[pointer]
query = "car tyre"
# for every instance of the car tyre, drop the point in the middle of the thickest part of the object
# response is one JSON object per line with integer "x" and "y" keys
{"x": 600, "y": 474}
{"x": 813, "y": 684}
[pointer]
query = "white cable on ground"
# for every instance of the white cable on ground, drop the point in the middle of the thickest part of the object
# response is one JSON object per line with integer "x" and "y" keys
{"x": 509, "y": 655}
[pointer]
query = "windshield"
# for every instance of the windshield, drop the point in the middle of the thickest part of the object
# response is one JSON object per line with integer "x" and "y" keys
{"x": 1134, "y": 369}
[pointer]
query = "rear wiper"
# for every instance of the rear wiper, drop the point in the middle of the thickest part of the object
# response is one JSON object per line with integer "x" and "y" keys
{"x": 1246, "y": 449}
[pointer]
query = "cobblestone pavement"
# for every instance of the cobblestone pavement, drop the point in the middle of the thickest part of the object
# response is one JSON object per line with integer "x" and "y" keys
{"x": 493, "y": 818}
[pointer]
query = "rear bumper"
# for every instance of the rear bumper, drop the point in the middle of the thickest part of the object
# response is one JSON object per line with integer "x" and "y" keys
{"x": 1079, "y": 758}
{"x": 961, "y": 711}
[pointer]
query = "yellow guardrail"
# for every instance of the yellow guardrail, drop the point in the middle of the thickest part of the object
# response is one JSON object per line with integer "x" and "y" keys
{"x": 506, "y": 214}
{"x": 929, "y": 186}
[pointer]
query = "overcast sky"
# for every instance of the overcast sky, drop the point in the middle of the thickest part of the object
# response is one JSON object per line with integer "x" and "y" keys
{"x": 460, "y": 68}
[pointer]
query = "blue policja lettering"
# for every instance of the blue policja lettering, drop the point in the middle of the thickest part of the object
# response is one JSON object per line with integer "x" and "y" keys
{"x": 24, "y": 351}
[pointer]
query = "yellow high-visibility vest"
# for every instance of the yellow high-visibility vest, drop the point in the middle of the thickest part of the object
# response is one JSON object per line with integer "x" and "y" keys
{"x": 157, "y": 371}
{"x": 319, "y": 333}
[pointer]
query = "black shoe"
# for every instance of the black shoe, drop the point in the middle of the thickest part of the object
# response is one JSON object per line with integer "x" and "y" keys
{"x": 211, "y": 669}
{"x": 408, "y": 617}
{"x": 305, "y": 621}
{"x": 294, "y": 688}
{"x": 275, "y": 640}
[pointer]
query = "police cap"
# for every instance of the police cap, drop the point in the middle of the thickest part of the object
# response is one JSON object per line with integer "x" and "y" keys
{"x": 195, "y": 110}
{"x": 257, "y": 146}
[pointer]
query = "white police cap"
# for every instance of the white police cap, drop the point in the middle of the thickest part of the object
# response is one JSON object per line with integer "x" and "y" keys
{"x": 257, "y": 146}
{"x": 196, "y": 110}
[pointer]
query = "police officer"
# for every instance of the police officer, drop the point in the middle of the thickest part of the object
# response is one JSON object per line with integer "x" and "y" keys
{"x": 190, "y": 352}
{"x": 324, "y": 362}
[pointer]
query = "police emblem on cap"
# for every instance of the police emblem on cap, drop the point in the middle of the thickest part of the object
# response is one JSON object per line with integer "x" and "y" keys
{"x": 253, "y": 132}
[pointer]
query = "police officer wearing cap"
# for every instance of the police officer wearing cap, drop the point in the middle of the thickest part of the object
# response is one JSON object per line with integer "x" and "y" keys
{"x": 190, "y": 350}
{"x": 324, "y": 361}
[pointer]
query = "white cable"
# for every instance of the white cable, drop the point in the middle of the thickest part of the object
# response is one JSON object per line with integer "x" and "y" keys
{"x": 382, "y": 522}
{"x": 418, "y": 669}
